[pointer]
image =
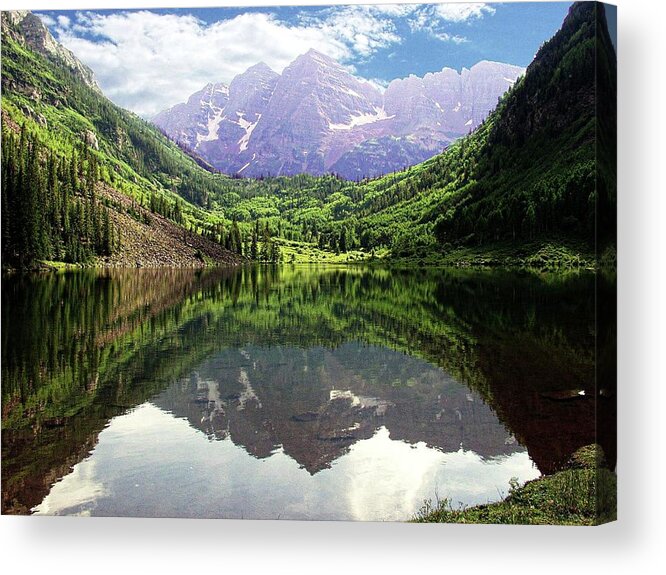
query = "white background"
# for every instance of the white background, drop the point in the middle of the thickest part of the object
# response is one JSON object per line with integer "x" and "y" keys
{"x": 634, "y": 544}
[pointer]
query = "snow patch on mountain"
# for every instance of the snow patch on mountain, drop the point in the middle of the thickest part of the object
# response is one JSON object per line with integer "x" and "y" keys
{"x": 212, "y": 128}
{"x": 247, "y": 165}
{"x": 248, "y": 127}
{"x": 350, "y": 92}
{"x": 362, "y": 119}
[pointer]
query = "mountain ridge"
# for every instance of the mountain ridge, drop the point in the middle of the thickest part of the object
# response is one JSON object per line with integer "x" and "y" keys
{"x": 31, "y": 31}
{"x": 318, "y": 118}
{"x": 532, "y": 169}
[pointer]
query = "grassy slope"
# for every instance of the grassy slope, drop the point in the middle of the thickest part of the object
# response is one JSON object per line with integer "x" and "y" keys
{"x": 302, "y": 252}
{"x": 137, "y": 154}
{"x": 146, "y": 239}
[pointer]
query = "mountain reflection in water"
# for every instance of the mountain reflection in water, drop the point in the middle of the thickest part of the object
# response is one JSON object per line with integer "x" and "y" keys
{"x": 291, "y": 392}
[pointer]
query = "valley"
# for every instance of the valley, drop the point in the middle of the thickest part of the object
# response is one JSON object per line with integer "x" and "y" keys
{"x": 519, "y": 184}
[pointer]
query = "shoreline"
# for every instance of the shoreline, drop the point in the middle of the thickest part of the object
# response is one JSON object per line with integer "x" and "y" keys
{"x": 456, "y": 260}
{"x": 583, "y": 493}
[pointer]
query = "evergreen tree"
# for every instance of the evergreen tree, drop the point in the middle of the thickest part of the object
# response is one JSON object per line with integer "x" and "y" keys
{"x": 254, "y": 248}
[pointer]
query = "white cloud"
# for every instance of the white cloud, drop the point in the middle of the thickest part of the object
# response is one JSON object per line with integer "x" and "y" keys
{"x": 146, "y": 61}
{"x": 360, "y": 28}
{"x": 63, "y": 21}
{"x": 446, "y": 37}
{"x": 460, "y": 12}
{"x": 433, "y": 19}
{"x": 377, "y": 83}
{"x": 394, "y": 9}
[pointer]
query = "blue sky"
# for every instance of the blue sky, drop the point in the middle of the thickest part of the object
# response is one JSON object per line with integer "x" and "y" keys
{"x": 147, "y": 60}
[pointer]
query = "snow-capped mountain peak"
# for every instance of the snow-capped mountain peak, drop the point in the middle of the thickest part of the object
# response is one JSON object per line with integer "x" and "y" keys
{"x": 317, "y": 117}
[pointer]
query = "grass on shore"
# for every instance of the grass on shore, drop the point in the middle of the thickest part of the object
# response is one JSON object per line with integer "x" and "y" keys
{"x": 300, "y": 253}
{"x": 541, "y": 254}
{"x": 45, "y": 266}
{"x": 582, "y": 494}
{"x": 547, "y": 255}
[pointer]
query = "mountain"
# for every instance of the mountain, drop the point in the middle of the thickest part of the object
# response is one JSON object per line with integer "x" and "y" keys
{"x": 194, "y": 120}
{"x": 314, "y": 424}
{"x": 27, "y": 29}
{"x": 318, "y": 118}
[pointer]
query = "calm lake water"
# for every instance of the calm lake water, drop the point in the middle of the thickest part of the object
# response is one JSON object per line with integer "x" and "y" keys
{"x": 299, "y": 392}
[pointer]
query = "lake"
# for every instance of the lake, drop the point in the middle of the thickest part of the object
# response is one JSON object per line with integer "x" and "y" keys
{"x": 292, "y": 392}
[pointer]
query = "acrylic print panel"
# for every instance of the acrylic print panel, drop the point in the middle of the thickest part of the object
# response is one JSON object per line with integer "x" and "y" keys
{"x": 330, "y": 262}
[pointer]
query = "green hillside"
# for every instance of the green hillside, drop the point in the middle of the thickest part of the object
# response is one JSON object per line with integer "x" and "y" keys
{"x": 67, "y": 151}
{"x": 533, "y": 170}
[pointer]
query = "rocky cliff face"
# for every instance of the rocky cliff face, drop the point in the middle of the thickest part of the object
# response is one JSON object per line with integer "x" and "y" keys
{"x": 27, "y": 29}
{"x": 231, "y": 128}
{"x": 316, "y": 118}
